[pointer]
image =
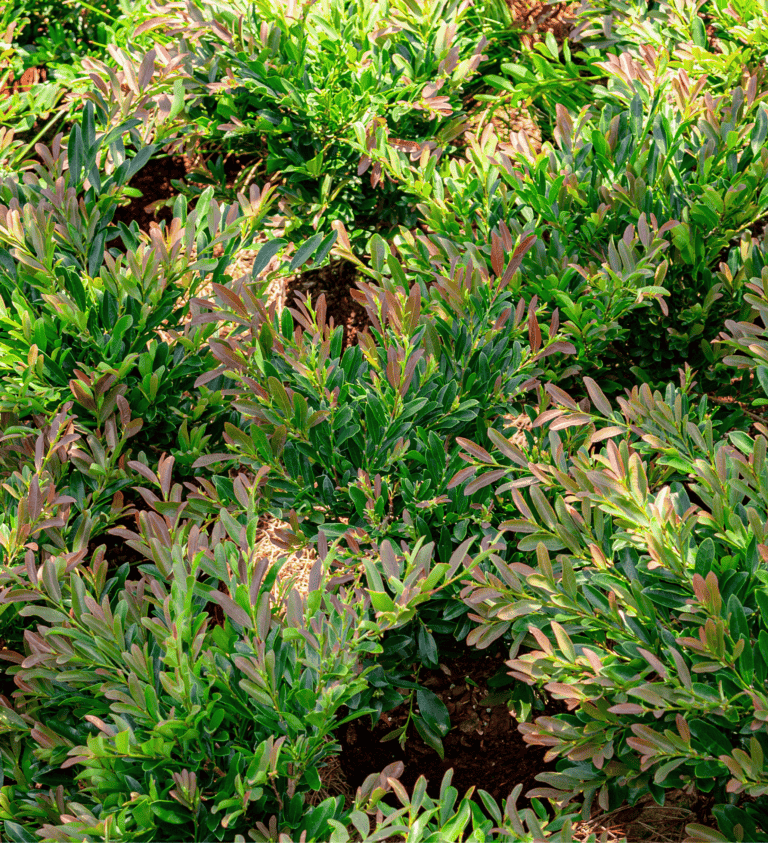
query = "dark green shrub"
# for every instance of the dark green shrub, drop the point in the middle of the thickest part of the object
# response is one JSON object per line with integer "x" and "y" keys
{"x": 82, "y": 319}
{"x": 750, "y": 339}
{"x": 712, "y": 38}
{"x": 646, "y": 605}
{"x": 139, "y": 717}
{"x": 290, "y": 84}
{"x": 49, "y": 33}
{"x": 53, "y": 42}
{"x": 370, "y": 435}
{"x": 159, "y": 723}
{"x": 655, "y": 158}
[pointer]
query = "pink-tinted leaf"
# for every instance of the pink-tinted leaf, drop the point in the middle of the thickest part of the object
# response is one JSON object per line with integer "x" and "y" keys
{"x": 144, "y": 471}
{"x": 475, "y": 450}
{"x": 626, "y": 708}
{"x": 573, "y": 420}
{"x": 597, "y": 397}
{"x": 234, "y": 301}
{"x": 461, "y": 476}
{"x": 497, "y": 255}
{"x": 231, "y": 609}
{"x": 209, "y": 459}
{"x": 605, "y": 433}
{"x": 484, "y": 480}
{"x": 561, "y": 396}
{"x": 507, "y": 448}
{"x": 534, "y": 332}
{"x": 558, "y": 347}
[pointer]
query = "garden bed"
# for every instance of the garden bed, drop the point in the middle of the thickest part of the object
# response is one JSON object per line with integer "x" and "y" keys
{"x": 400, "y": 474}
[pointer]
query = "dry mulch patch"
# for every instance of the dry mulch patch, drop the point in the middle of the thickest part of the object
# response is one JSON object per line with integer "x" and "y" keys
{"x": 541, "y": 17}
{"x": 31, "y": 76}
{"x": 648, "y": 822}
{"x": 154, "y": 180}
{"x": 334, "y": 280}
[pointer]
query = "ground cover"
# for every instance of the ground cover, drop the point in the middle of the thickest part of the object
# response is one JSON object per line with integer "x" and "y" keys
{"x": 381, "y": 421}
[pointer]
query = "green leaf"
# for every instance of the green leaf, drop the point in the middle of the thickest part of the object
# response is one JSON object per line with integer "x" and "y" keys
{"x": 121, "y": 326}
{"x": 762, "y": 376}
{"x": 699, "y": 33}
{"x": 453, "y": 829}
{"x": 394, "y": 735}
{"x": 140, "y": 159}
{"x": 18, "y": 834}
{"x": 294, "y": 722}
{"x": 705, "y": 556}
{"x": 499, "y": 83}
{"x": 430, "y": 737}
{"x": 89, "y": 127}
{"x": 312, "y": 778}
{"x": 325, "y": 247}
{"x": 703, "y": 834}
{"x": 712, "y": 739}
{"x": 761, "y": 597}
{"x": 428, "y": 652}
{"x": 305, "y": 251}
{"x": 550, "y": 41}
{"x": 382, "y": 602}
{"x": 709, "y": 769}
{"x": 737, "y": 619}
{"x": 760, "y": 131}
{"x": 306, "y": 697}
{"x": 742, "y": 441}
{"x": 664, "y": 770}
{"x": 433, "y": 710}
{"x": 170, "y": 815}
{"x": 265, "y": 255}
{"x": 75, "y": 154}
{"x": 178, "y": 99}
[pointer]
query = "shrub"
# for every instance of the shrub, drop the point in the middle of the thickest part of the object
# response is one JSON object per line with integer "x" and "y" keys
{"x": 52, "y": 41}
{"x": 51, "y": 34}
{"x": 749, "y": 339}
{"x": 181, "y": 725}
{"x": 657, "y": 157}
{"x": 369, "y": 435}
{"x": 82, "y": 320}
{"x": 712, "y": 38}
{"x": 290, "y": 84}
{"x": 22, "y": 109}
{"x": 178, "y": 727}
{"x": 193, "y": 693}
{"x": 650, "y": 621}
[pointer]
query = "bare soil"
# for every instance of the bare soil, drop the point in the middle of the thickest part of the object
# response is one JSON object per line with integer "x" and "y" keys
{"x": 334, "y": 281}
{"x": 484, "y": 748}
{"x": 154, "y": 182}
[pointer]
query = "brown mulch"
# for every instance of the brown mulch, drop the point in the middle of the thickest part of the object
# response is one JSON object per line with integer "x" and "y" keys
{"x": 154, "y": 182}
{"x": 520, "y": 125}
{"x": 516, "y": 128}
{"x": 334, "y": 280}
{"x": 647, "y": 822}
{"x": 155, "y": 179}
{"x": 31, "y": 76}
{"x": 538, "y": 18}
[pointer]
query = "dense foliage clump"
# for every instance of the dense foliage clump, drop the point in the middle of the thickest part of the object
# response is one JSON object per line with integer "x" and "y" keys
{"x": 548, "y": 440}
